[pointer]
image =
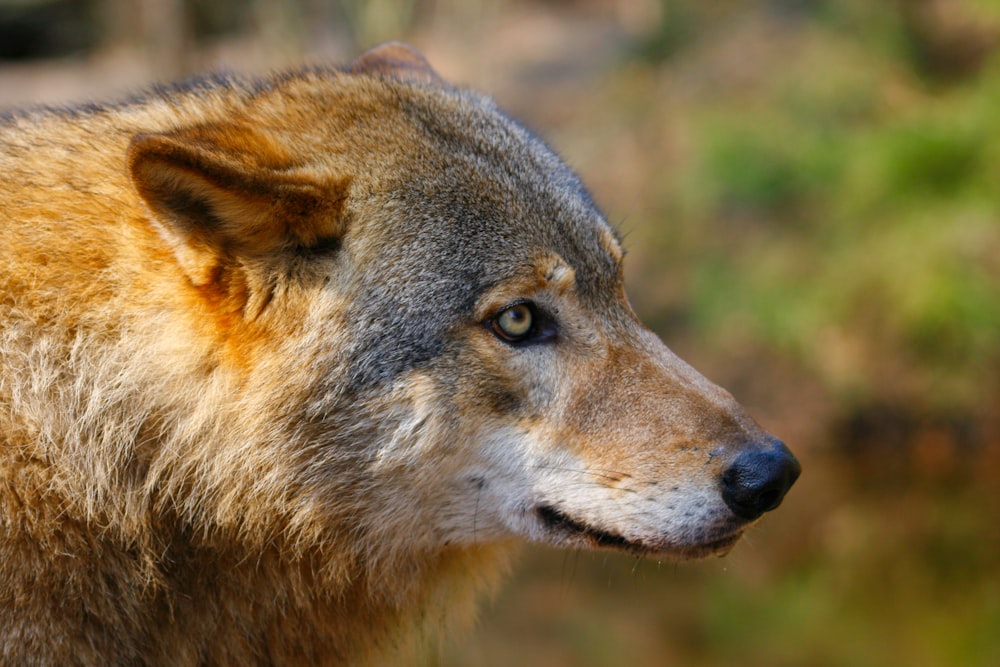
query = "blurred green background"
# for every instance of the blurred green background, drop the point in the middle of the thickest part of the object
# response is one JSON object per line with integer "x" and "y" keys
{"x": 810, "y": 195}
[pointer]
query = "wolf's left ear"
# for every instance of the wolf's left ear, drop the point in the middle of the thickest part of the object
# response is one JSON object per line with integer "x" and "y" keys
{"x": 398, "y": 60}
{"x": 224, "y": 191}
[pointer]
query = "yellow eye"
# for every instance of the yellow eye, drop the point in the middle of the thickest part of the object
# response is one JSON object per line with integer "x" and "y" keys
{"x": 515, "y": 323}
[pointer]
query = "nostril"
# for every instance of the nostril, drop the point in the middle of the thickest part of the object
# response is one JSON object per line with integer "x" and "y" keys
{"x": 758, "y": 479}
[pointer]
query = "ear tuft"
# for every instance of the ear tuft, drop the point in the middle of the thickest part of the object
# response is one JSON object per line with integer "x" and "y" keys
{"x": 397, "y": 60}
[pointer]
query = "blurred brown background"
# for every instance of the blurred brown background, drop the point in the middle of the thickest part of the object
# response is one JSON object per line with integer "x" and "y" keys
{"x": 810, "y": 195}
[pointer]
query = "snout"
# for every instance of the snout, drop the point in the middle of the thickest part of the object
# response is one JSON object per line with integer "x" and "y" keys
{"x": 758, "y": 478}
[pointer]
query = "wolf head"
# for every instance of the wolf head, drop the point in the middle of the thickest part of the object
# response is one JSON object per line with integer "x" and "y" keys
{"x": 434, "y": 309}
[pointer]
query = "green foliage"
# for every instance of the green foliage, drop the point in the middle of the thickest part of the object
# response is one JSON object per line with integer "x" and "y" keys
{"x": 752, "y": 173}
{"x": 861, "y": 241}
{"x": 933, "y": 160}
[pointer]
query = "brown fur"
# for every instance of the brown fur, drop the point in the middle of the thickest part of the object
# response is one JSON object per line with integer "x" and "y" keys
{"x": 253, "y": 408}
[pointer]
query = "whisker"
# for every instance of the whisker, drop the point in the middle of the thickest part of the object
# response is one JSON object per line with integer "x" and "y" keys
{"x": 607, "y": 474}
{"x": 475, "y": 514}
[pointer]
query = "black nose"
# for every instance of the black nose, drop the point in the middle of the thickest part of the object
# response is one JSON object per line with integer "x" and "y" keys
{"x": 758, "y": 479}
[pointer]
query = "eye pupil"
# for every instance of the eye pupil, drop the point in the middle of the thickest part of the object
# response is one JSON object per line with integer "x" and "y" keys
{"x": 515, "y": 323}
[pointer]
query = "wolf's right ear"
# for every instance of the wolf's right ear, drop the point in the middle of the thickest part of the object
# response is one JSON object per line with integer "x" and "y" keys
{"x": 398, "y": 60}
{"x": 224, "y": 191}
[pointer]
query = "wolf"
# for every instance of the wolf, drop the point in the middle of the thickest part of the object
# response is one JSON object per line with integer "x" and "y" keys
{"x": 290, "y": 366}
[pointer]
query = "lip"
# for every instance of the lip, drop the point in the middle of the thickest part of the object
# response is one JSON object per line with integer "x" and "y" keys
{"x": 575, "y": 531}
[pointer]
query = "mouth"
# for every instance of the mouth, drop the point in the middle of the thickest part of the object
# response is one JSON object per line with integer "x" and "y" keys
{"x": 574, "y": 531}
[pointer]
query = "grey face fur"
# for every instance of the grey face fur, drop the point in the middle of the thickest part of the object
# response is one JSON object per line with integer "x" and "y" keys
{"x": 471, "y": 218}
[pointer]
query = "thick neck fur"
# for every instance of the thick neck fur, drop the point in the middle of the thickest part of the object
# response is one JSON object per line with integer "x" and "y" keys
{"x": 310, "y": 585}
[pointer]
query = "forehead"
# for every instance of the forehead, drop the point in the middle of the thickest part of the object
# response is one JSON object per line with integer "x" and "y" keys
{"x": 463, "y": 200}
{"x": 490, "y": 196}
